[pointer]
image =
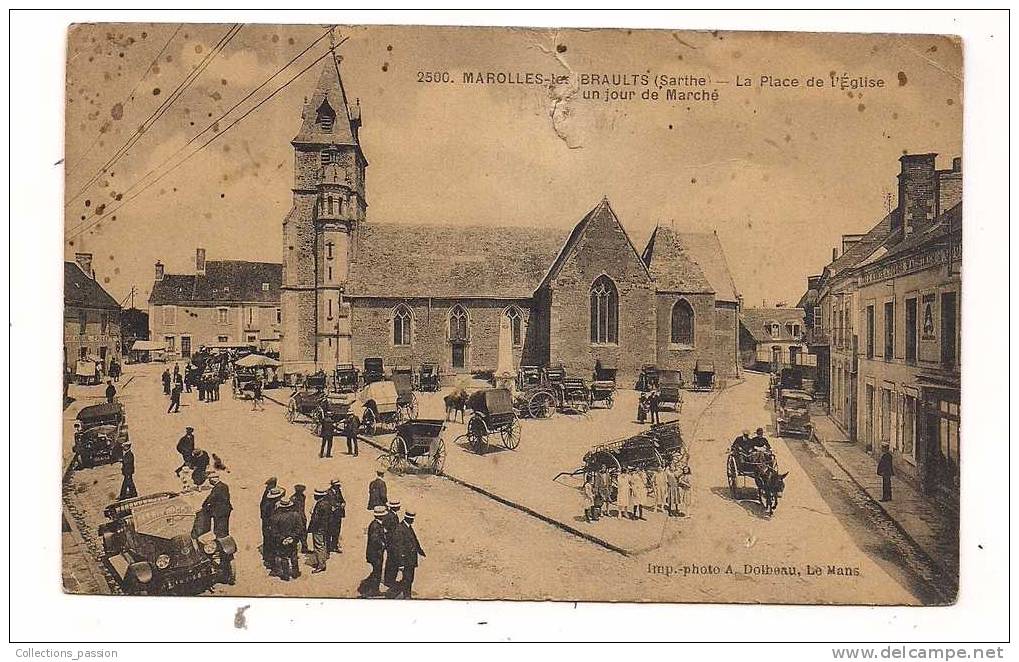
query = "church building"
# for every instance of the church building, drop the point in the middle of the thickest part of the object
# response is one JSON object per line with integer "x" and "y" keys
{"x": 484, "y": 298}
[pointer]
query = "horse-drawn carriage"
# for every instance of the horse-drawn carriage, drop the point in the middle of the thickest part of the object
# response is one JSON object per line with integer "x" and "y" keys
{"x": 793, "y": 412}
{"x": 574, "y": 396}
{"x": 603, "y": 386}
{"x": 374, "y": 370}
{"x": 243, "y": 383}
{"x": 703, "y": 376}
{"x": 428, "y": 377}
{"x": 417, "y": 443}
{"x": 492, "y": 412}
{"x": 761, "y": 466}
{"x": 534, "y": 398}
{"x": 406, "y": 401}
{"x": 380, "y": 407}
{"x": 653, "y": 448}
{"x": 305, "y": 405}
{"x": 670, "y": 389}
{"x": 647, "y": 380}
{"x": 528, "y": 376}
{"x": 345, "y": 378}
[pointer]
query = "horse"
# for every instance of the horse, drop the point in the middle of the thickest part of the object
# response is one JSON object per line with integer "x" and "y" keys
{"x": 770, "y": 485}
{"x": 456, "y": 402}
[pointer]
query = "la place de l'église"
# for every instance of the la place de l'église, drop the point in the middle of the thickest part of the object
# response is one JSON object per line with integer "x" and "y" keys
{"x": 484, "y": 297}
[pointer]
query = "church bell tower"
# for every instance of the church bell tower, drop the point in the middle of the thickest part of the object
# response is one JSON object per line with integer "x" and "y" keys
{"x": 320, "y": 232}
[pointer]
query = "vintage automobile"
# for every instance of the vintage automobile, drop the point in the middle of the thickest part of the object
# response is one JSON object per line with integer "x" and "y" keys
{"x": 148, "y": 545}
{"x": 793, "y": 412}
{"x": 99, "y": 434}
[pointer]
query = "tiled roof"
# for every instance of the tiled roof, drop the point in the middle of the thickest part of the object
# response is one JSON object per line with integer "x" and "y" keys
{"x": 949, "y": 221}
{"x": 864, "y": 247}
{"x": 755, "y": 320}
{"x": 328, "y": 90}
{"x": 82, "y": 291}
{"x": 226, "y": 281}
{"x": 691, "y": 262}
{"x": 398, "y": 260}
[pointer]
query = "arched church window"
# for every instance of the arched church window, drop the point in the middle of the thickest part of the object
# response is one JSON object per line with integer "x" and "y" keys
{"x": 459, "y": 323}
{"x": 682, "y": 323}
{"x": 516, "y": 324}
{"x": 402, "y": 320}
{"x": 604, "y": 312}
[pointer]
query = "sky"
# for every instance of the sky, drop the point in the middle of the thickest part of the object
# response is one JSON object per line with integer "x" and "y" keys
{"x": 779, "y": 173}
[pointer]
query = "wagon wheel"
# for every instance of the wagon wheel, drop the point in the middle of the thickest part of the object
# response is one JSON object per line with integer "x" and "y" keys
{"x": 730, "y": 473}
{"x": 476, "y": 433}
{"x": 398, "y": 455}
{"x": 661, "y": 460}
{"x": 291, "y": 412}
{"x": 439, "y": 456}
{"x": 511, "y": 434}
{"x": 541, "y": 405}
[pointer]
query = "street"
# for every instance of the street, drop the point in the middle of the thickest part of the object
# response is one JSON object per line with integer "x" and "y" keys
{"x": 818, "y": 547}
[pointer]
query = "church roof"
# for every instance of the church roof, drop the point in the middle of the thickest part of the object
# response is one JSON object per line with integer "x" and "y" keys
{"x": 689, "y": 262}
{"x": 82, "y": 291}
{"x": 329, "y": 94}
{"x": 225, "y": 281}
{"x": 404, "y": 261}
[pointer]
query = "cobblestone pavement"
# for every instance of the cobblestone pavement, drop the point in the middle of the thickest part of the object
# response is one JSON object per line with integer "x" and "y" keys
{"x": 480, "y": 548}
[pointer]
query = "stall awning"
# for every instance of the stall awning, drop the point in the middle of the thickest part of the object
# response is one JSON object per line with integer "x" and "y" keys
{"x": 148, "y": 346}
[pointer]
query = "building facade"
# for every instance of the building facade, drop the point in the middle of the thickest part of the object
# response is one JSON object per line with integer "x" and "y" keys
{"x": 890, "y": 313}
{"x": 223, "y": 302}
{"x": 91, "y": 316}
{"x": 483, "y": 298}
{"x": 774, "y": 338}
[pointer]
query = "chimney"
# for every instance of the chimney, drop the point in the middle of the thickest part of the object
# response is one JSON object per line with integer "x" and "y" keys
{"x": 950, "y": 186}
{"x": 159, "y": 271}
{"x": 200, "y": 261}
{"x": 918, "y": 192}
{"x": 834, "y": 253}
{"x": 84, "y": 261}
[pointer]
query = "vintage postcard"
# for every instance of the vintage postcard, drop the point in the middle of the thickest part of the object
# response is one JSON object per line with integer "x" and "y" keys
{"x": 387, "y": 312}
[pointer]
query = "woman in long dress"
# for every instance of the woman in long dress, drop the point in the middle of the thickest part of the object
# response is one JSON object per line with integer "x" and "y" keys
{"x": 623, "y": 495}
{"x": 685, "y": 492}
{"x": 672, "y": 490}
{"x": 661, "y": 489}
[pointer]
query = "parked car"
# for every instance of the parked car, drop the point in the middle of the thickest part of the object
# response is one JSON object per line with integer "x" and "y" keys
{"x": 148, "y": 545}
{"x": 99, "y": 434}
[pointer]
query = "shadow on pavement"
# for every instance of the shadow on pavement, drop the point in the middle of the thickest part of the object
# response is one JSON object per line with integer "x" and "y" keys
{"x": 750, "y": 504}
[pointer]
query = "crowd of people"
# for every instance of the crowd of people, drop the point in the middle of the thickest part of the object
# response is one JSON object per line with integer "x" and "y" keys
{"x": 392, "y": 548}
{"x": 627, "y": 493}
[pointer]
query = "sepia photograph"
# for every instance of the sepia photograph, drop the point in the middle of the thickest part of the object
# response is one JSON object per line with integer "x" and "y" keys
{"x": 495, "y": 326}
{"x": 339, "y": 326}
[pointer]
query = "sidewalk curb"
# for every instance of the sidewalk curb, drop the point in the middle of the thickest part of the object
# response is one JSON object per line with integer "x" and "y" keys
{"x": 937, "y": 563}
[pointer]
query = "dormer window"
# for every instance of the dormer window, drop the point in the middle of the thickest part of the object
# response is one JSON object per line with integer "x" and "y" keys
{"x": 326, "y": 117}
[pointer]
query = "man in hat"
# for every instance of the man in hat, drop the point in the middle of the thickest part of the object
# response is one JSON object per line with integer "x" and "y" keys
{"x": 270, "y": 496}
{"x": 199, "y": 466}
{"x": 300, "y": 505}
{"x": 338, "y": 510}
{"x": 743, "y": 445}
{"x": 175, "y": 398}
{"x": 760, "y": 441}
{"x": 326, "y": 432}
{"x": 216, "y": 509}
{"x": 318, "y": 527}
{"x": 166, "y": 381}
{"x": 391, "y": 521}
{"x": 186, "y": 448}
{"x": 111, "y": 391}
{"x": 409, "y": 550}
{"x": 350, "y": 425}
{"x": 285, "y": 526}
{"x": 375, "y": 549}
{"x": 886, "y": 471}
{"x": 127, "y": 488}
{"x": 653, "y": 402}
{"x": 377, "y": 491}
